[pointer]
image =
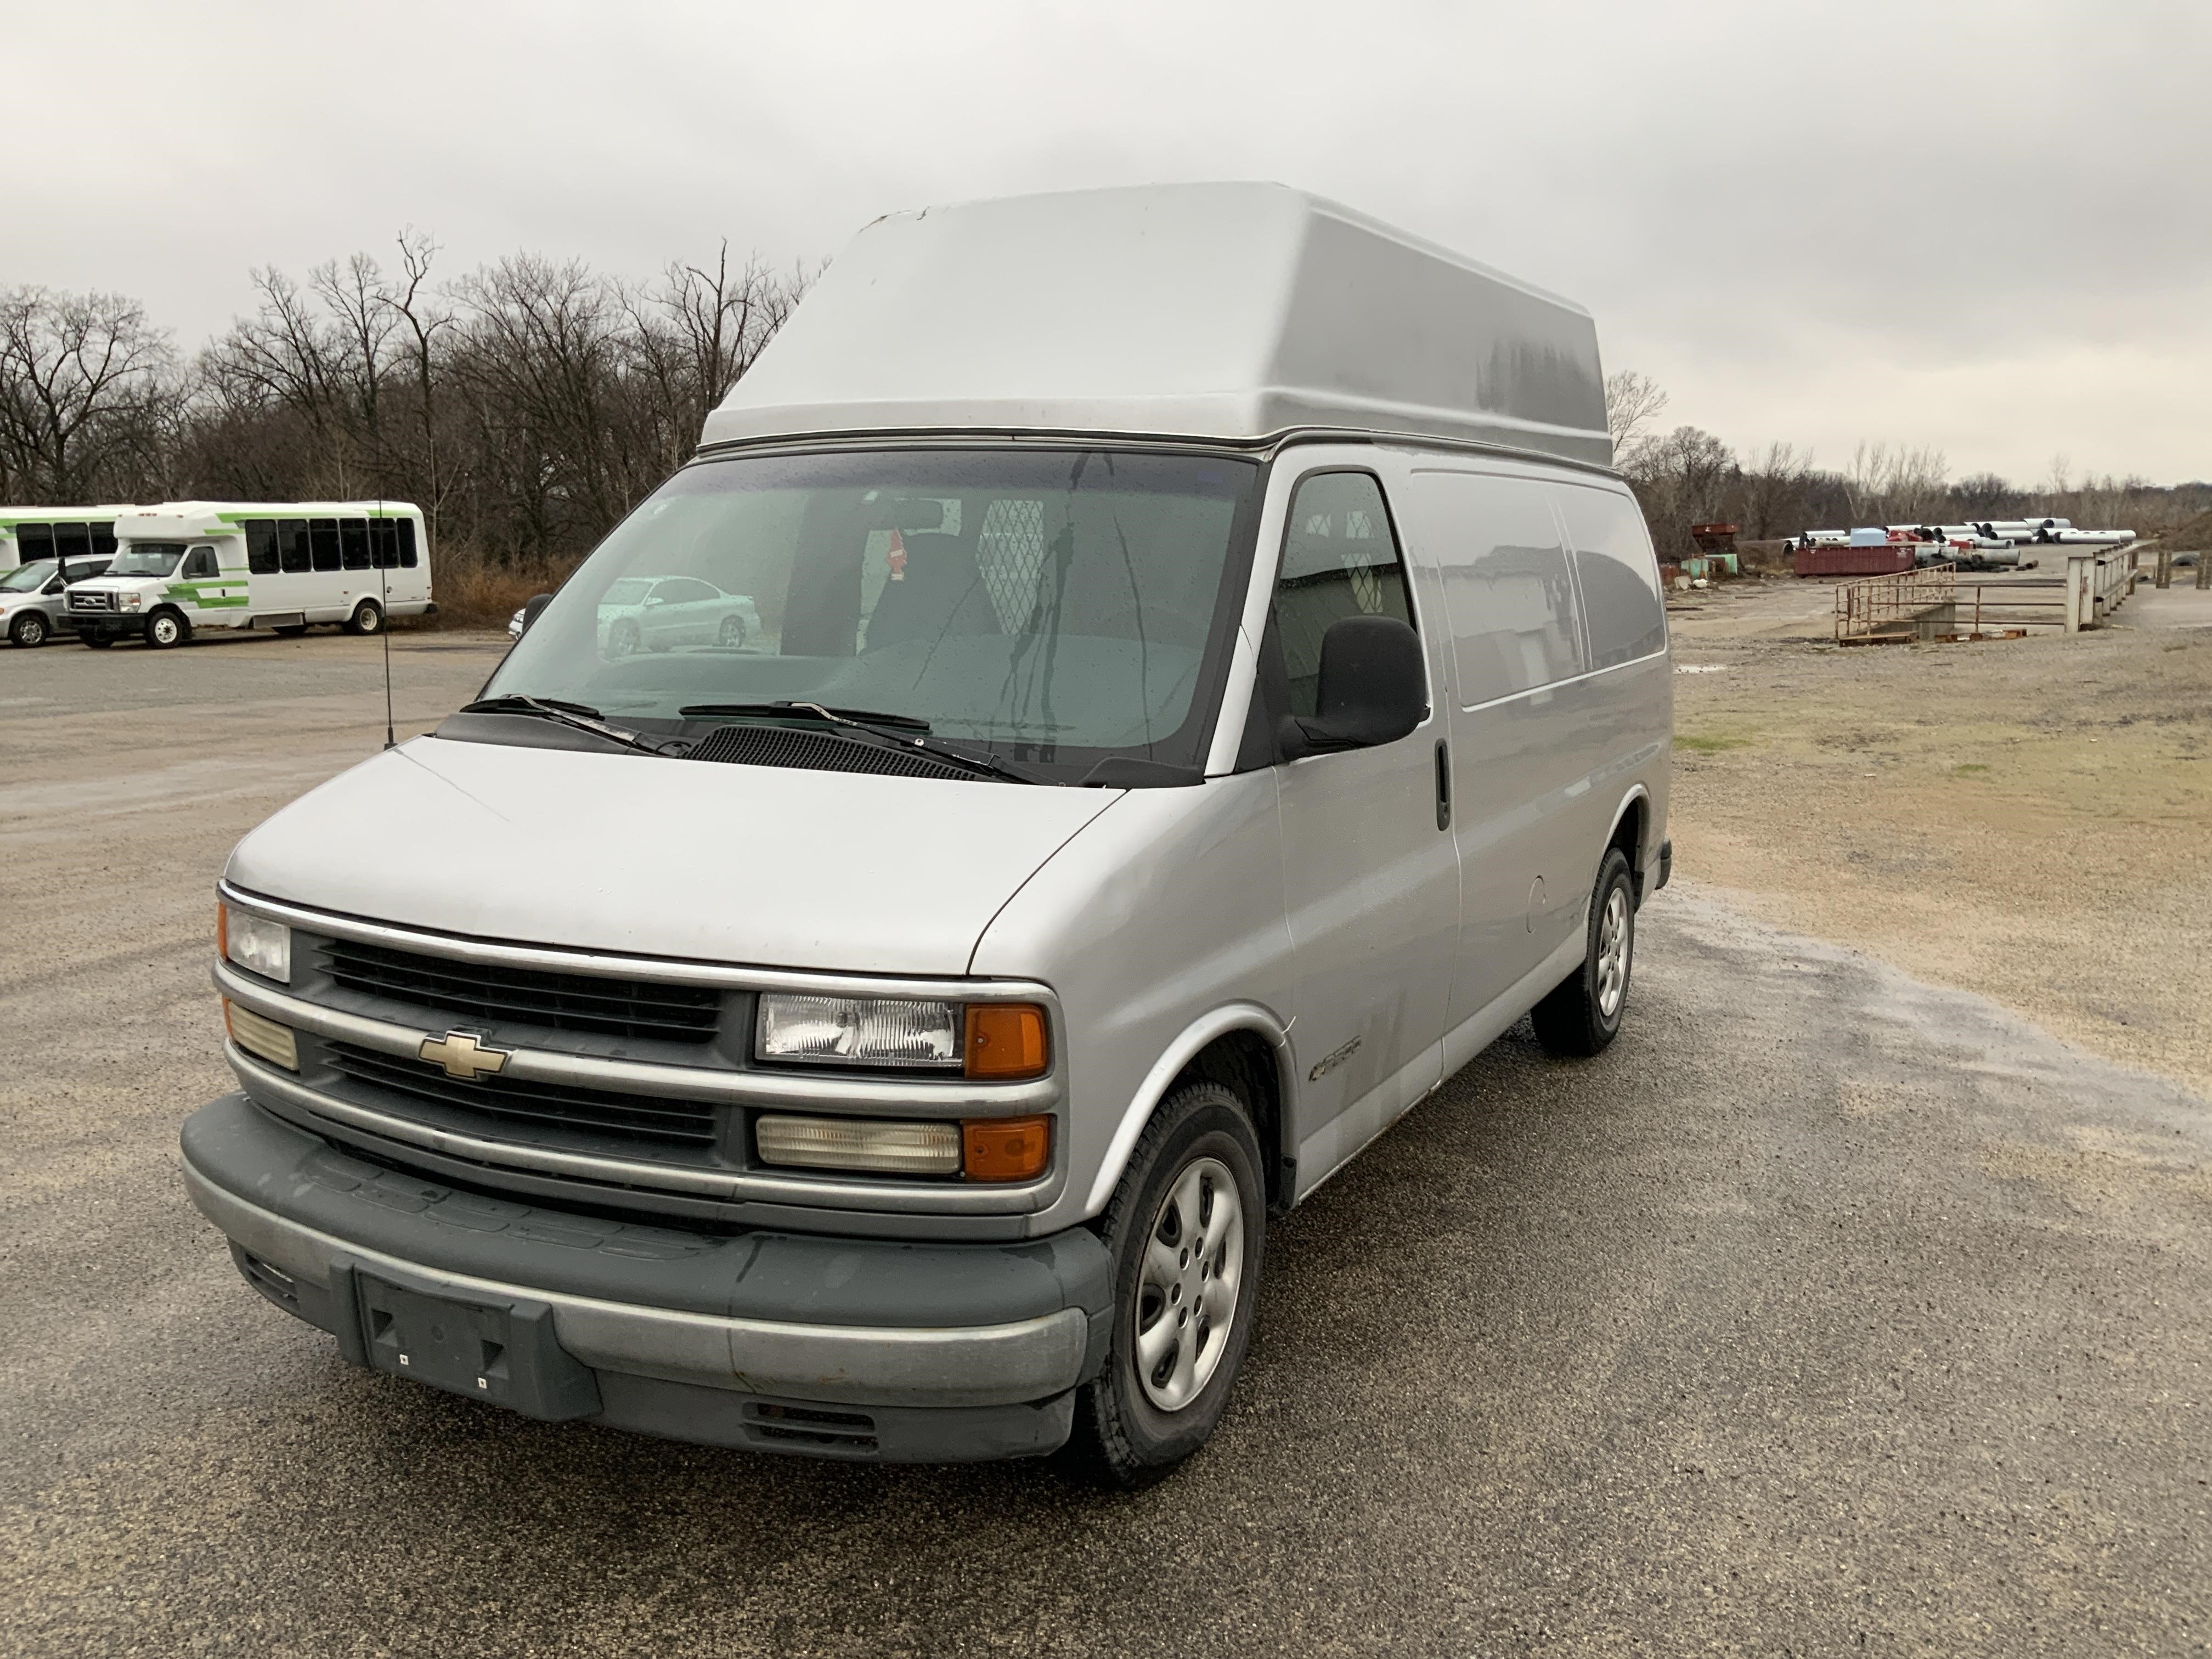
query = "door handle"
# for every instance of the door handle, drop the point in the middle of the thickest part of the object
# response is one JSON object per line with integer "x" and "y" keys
{"x": 1443, "y": 785}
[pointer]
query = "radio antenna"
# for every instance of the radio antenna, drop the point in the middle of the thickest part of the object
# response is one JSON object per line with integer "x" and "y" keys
{"x": 384, "y": 534}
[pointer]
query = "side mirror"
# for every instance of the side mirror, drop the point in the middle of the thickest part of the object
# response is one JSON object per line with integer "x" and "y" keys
{"x": 532, "y": 607}
{"x": 1374, "y": 689}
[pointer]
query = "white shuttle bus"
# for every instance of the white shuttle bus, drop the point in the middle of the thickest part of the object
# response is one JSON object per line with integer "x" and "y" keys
{"x": 29, "y": 534}
{"x": 278, "y": 565}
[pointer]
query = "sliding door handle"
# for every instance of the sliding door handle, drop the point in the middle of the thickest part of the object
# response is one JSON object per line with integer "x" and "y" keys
{"x": 1443, "y": 785}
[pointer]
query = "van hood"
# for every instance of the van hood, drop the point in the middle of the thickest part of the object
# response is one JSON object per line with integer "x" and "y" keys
{"x": 762, "y": 865}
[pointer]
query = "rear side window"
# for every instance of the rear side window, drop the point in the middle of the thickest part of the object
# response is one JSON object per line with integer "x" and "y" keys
{"x": 292, "y": 545}
{"x": 323, "y": 539}
{"x": 261, "y": 558}
{"x": 1619, "y": 575}
{"x": 103, "y": 540}
{"x": 1508, "y": 592}
{"x": 1339, "y": 559}
{"x": 353, "y": 533}
{"x": 74, "y": 541}
{"x": 407, "y": 543}
{"x": 34, "y": 541}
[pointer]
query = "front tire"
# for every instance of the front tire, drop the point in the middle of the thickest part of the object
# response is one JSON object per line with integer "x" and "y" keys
{"x": 166, "y": 628}
{"x": 29, "y": 631}
{"x": 1186, "y": 1230}
{"x": 1583, "y": 1014}
{"x": 368, "y": 618}
{"x": 733, "y": 634}
{"x": 98, "y": 641}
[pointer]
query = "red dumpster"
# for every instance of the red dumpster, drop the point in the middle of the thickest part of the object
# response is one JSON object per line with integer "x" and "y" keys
{"x": 1854, "y": 561}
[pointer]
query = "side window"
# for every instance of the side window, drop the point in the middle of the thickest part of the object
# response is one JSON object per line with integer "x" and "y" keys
{"x": 1515, "y": 623}
{"x": 73, "y": 541}
{"x": 323, "y": 540}
{"x": 353, "y": 537}
{"x": 1619, "y": 575}
{"x": 103, "y": 539}
{"x": 292, "y": 545}
{"x": 384, "y": 543}
{"x": 406, "y": 543}
{"x": 199, "y": 563}
{"x": 34, "y": 541}
{"x": 261, "y": 546}
{"x": 1339, "y": 559}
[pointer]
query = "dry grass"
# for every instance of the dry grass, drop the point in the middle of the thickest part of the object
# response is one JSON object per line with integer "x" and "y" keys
{"x": 2026, "y": 820}
{"x": 475, "y": 590}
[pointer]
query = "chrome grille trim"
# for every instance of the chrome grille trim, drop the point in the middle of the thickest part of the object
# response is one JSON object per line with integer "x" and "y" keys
{"x": 673, "y": 970}
{"x": 732, "y": 1185}
{"x": 922, "y": 1095}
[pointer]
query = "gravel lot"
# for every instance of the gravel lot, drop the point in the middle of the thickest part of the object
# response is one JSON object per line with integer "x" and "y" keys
{"x": 1828, "y": 1311}
{"x": 2025, "y": 818}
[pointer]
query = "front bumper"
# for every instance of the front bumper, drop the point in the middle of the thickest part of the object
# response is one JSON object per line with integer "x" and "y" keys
{"x": 835, "y": 1348}
{"x": 123, "y": 625}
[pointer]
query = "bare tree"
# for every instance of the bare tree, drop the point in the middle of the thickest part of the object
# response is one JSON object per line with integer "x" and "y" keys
{"x": 1633, "y": 403}
{"x": 80, "y": 386}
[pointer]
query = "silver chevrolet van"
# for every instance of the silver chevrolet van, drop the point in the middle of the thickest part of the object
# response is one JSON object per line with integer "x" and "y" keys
{"x": 1200, "y": 681}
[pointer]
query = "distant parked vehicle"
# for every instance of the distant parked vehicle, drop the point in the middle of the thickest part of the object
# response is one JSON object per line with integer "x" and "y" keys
{"x": 31, "y": 596}
{"x": 662, "y": 613}
{"x": 186, "y": 565}
{"x": 31, "y": 533}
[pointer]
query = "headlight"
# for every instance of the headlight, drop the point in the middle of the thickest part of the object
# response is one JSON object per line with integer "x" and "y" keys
{"x": 1003, "y": 1041}
{"x": 255, "y": 942}
{"x": 130, "y": 601}
{"x": 860, "y": 1031}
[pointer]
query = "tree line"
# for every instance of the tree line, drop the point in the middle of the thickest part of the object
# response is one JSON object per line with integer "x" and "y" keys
{"x": 525, "y": 406}
{"x": 1686, "y": 477}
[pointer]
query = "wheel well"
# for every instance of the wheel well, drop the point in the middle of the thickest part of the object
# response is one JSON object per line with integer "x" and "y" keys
{"x": 1244, "y": 1063}
{"x": 1628, "y": 835}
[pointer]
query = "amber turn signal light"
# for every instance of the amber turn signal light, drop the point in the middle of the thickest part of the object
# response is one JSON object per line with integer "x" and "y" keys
{"x": 1005, "y": 1148}
{"x": 1006, "y": 1042}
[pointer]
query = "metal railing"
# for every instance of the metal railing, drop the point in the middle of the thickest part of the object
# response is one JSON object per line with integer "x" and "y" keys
{"x": 1876, "y": 607}
{"x": 1933, "y": 603}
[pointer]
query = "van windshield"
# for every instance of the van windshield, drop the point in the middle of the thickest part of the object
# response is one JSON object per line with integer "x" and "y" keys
{"x": 147, "y": 559}
{"x": 25, "y": 577}
{"x": 1057, "y": 606}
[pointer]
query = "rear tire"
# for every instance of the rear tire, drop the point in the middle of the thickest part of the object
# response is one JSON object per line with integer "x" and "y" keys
{"x": 98, "y": 641}
{"x": 30, "y": 630}
{"x": 166, "y": 628}
{"x": 368, "y": 618}
{"x": 1185, "y": 1231}
{"x": 622, "y": 638}
{"x": 1583, "y": 1014}
{"x": 733, "y": 634}
{"x": 291, "y": 630}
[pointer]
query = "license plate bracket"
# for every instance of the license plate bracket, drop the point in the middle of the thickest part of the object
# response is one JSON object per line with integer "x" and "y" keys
{"x": 504, "y": 1350}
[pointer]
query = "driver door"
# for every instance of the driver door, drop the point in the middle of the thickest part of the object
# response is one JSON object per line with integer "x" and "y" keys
{"x": 1372, "y": 881}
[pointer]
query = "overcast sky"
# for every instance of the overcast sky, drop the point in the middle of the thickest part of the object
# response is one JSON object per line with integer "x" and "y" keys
{"x": 1980, "y": 227}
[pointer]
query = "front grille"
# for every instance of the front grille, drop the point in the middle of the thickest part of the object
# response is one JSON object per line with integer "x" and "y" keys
{"x": 91, "y": 601}
{"x": 547, "y": 1105}
{"x": 567, "y": 1002}
{"x": 818, "y": 751}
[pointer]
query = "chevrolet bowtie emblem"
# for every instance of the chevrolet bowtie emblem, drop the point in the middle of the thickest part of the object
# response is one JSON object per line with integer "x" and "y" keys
{"x": 464, "y": 1055}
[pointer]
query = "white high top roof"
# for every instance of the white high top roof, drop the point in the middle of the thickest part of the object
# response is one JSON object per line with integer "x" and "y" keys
{"x": 1231, "y": 310}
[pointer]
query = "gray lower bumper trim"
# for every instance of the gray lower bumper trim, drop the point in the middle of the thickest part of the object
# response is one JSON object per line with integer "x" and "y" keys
{"x": 960, "y": 1365}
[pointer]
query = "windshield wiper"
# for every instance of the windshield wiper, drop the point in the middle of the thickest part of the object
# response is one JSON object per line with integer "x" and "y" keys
{"x": 853, "y": 716}
{"x": 889, "y": 728}
{"x": 580, "y": 716}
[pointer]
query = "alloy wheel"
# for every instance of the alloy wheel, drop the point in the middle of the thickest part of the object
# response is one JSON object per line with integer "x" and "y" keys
{"x": 1187, "y": 1285}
